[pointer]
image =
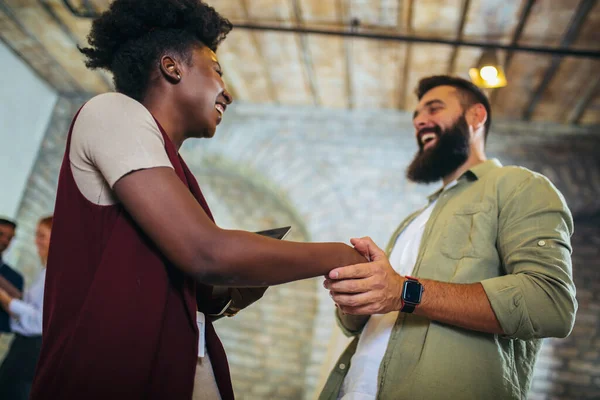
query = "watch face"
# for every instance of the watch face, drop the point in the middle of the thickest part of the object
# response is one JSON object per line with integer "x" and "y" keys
{"x": 412, "y": 292}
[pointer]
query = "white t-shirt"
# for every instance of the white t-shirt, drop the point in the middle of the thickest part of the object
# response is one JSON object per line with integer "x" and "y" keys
{"x": 361, "y": 382}
{"x": 113, "y": 136}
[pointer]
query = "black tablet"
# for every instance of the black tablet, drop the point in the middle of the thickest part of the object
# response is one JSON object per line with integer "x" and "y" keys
{"x": 276, "y": 233}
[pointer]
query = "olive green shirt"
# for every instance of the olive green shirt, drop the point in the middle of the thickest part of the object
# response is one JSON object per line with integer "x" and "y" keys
{"x": 508, "y": 228}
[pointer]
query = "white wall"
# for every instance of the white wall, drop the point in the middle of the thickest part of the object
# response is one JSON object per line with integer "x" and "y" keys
{"x": 26, "y": 104}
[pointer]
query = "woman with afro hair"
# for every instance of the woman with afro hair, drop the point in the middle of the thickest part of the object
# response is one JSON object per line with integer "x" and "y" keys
{"x": 137, "y": 268}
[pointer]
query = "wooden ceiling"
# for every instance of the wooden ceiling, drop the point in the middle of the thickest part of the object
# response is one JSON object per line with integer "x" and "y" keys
{"x": 358, "y": 73}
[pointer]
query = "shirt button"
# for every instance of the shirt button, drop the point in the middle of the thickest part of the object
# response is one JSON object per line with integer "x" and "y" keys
{"x": 342, "y": 366}
{"x": 542, "y": 243}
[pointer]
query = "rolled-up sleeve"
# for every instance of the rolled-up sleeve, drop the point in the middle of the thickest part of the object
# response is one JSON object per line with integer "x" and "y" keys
{"x": 351, "y": 325}
{"x": 536, "y": 297}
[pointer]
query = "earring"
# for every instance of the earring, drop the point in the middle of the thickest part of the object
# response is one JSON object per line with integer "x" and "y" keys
{"x": 178, "y": 76}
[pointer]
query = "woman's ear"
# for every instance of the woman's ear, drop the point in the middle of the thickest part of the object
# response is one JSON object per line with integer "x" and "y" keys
{"x": 170, "y": 69}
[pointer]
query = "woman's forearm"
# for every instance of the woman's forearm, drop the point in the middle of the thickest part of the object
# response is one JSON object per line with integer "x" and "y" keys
{"x": 238, "y": 258}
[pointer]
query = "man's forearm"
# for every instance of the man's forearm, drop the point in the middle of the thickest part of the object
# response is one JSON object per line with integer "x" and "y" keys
{"x": 463, "y": 305}
{"x": 376, "y": 288}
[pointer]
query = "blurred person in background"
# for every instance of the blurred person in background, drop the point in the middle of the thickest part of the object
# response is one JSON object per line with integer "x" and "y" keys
{"x": 18, "y": 367}
{"x": 11, "y": 281}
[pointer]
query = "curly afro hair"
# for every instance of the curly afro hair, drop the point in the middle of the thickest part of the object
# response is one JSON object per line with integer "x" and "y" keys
{"x": 129, "y": 38}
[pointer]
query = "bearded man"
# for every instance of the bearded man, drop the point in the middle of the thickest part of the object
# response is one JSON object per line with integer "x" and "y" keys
{"x": 469, "y": 285}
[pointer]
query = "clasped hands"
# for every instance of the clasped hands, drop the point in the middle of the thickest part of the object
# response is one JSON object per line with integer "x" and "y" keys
{"x": 369, "y": 288}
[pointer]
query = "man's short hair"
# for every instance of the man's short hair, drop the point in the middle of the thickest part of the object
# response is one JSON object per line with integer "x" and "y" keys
{"x": 4, "y": 221}
{"x": 469, "y": 93}
{"x": 47, "y": 221}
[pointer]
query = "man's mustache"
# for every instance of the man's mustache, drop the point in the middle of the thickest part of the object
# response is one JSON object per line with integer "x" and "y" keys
{"x": 435, "y": 129}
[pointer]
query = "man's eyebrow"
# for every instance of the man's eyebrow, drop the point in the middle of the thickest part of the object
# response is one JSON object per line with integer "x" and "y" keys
{"x": 428, "y": 104}
{"x": 432, "y": 102}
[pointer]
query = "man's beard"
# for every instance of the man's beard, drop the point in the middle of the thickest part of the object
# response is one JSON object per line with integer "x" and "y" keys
{"x": 450, "y": 152}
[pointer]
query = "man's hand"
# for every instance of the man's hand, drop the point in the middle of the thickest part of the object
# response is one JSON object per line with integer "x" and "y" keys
{"x": 369, "y": 288}
{"x": 375, "y": 288}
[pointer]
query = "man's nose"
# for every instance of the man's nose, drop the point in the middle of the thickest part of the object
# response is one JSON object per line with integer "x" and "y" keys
{"x": 420, "y": 122}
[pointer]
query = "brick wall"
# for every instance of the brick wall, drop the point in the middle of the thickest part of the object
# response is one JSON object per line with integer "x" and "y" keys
{"x": 335, "y": 174}
{"x": 570, "y": 368}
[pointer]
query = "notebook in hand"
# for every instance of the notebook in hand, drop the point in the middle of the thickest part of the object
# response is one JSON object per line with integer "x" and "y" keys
{"x": 276, "y": 233}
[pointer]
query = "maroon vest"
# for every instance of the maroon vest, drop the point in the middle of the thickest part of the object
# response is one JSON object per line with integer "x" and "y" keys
{"x": 119, "y": 318}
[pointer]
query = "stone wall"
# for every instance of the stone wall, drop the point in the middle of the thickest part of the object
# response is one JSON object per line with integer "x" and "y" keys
{"x": 332, "y": 175}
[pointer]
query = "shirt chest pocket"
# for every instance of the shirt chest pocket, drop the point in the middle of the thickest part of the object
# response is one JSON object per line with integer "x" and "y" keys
{"x": 466, "y": 231}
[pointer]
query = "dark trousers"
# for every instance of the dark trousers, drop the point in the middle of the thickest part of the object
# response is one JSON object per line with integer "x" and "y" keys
{"x": 18, "y": 368}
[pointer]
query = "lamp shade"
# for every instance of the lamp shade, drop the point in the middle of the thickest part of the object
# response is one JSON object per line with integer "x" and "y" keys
{"x": 488, "y": 73}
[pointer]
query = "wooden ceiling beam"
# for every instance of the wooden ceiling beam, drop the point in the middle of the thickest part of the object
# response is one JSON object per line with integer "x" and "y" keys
{"x": 34, "y": 68}
{"x": 408, "y": 24}
{"x": 65, "y": 29}
{"x": 525, "y": 13}
{"x": 400, "y": 15}
{"x": 584, "y": 100}
{"x": 568, "y": 38}
{"x": 72, "y": 82}
{"x": 343, "y": 14}
{"x": 305, "y": 54}
{"x": 66, "y": 60}
{"x": 261, "y": 55}
{"x": 387, "y": 35}
{"x": 459, "y": 35}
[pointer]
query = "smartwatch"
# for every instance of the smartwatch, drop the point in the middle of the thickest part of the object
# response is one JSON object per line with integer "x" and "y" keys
{"x": 411, "y": 294}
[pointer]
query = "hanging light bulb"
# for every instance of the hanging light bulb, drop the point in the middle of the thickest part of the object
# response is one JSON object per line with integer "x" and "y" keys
{"x": 488, "y": 73}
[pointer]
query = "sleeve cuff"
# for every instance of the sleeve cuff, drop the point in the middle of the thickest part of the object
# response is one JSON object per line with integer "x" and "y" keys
{"x": 18, "y": 307}
{"x": 506, "y": 298}
{"x": 351, "y": 325}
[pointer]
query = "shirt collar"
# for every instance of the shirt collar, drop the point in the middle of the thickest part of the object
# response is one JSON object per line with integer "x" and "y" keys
{"x": 472, "y": 174}
{"x": 481, "y": 169}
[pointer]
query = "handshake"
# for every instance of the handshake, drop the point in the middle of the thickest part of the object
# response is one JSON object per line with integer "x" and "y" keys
{"x": 369, "y": 288}
{"x": 372, "y": 287}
